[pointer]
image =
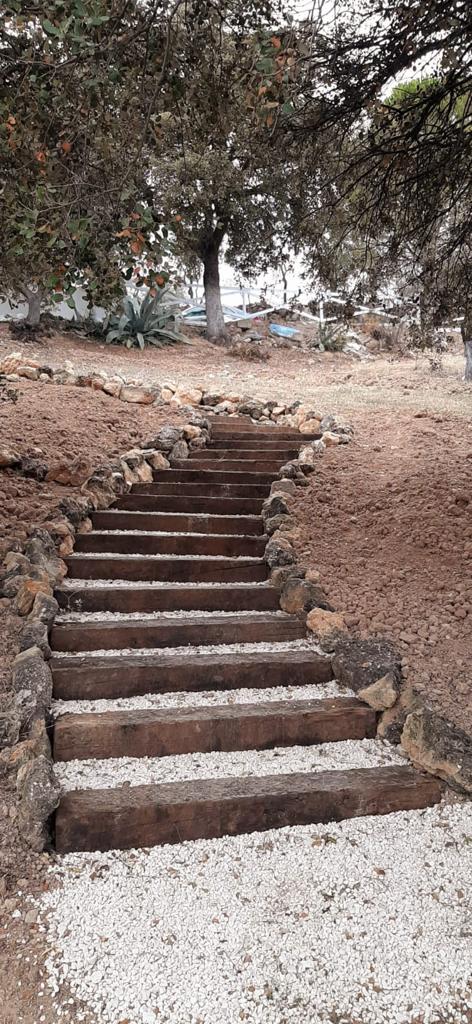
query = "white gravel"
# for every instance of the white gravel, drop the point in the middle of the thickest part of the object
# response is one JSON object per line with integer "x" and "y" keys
{"x": 160, "y": 616}
{"x": 361, "y": 922}
{"x": 182, "y": 515}
{"x": 204, "y": 698}
{"x": 126, "y": 555}
{"x": 114, "y": 772}
{"x": 201, "y": 650}
{"x": 69, "y": 583}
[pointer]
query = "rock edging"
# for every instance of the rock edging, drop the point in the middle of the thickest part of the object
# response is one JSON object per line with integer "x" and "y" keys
{"x": 28, "y": 576}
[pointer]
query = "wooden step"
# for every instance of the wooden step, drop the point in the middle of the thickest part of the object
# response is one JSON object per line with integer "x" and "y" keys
{"x": 248, "y": 443}
{"x": 239, "y": 425}
{"x": 215, "y": 454}
{"x": 91, "y": 677}
{"x": 204, "y": 489}
{"x": 187, "y": 730}
{"x": 168, "y": 598}
{"x": 206, "y": 475}
{"x": 227, "y": 506}
{"x": 172, "y": 544}
{"x": 107, "y": 634}
{"x": 106, "y": 819}
{"x": 176, "y": 570}
{"x": 239, "y": 432}
{"x": 222, "y": 470}
{"x": 113, "y": 519}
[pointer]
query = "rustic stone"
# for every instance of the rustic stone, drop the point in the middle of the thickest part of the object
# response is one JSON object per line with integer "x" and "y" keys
{"x": 113, "y": 387}
{"x": 34, "y": 467}
{"x": 35, "y": 634}
{"x": 130, "y": 476}
{"x": 72, "y": 473}
{"x": 8, "y": 457}
{"x": 327, "y": 626}
{"x": 10, "y": 724}
{"x": 330, "y": 439}
{"x": 66, "y": 546}
{"x": 290, "y": 470}
{"x": 144, "y": 473}
{"x": 38, "y": 794}
{"x": 283, "y": 487}
{"x": 392, "y": 720}
{"x": 28, "y": 372}
{"x": 328, "y": 422}
{"x": 211, "y": 399}
{"x": 86, "y": 526}
{"x": 299, "y": 596}
{"x": 45, "y": 609}
{"x": 179, "y": 451}
{"x": 279, "y": 551}
{"x": 281, "y": 574}
{"x": 27, "y": 592}
{"x": 310, "y": 426}
{"x": 277, "y": 523}
{"x": 438, "y": 746}
{"x": 186, "y": 396}
{"x": 166, "y": 394}
{"x": 360, "y": 663}
{"x": 137, "y": 395}
{"x": 157, "y": 460}
{"x": 15, "y": 561}
{"x": 226, "y": 408}
{"x": 307, "y": 459}
{"x": 75, "y": 509}
{"x": 191, "y": 430}
{"x": 32, "y": 684}
{"x": 41, "y": 551}
{"x": 252, "y": 408}
{"x": 165, "y": 439}
{"x": 382, "y": 694}
{"x": 275, "y": 505}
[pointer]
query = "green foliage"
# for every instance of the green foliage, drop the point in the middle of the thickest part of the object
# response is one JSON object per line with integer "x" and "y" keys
{"x": 75, "y": 209}
{"x": 147, "y": 322}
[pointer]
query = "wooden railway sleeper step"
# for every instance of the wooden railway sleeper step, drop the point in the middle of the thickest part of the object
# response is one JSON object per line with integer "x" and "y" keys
{"x": 188, "y": 730}
{"x": 114, "y": 634}
{"x": 133, "y": 675}
{"x": 122, "y": 818}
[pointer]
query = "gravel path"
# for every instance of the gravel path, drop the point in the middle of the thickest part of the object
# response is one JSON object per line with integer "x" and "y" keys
{"x": 139, "y": 771}
{"x": 161, "y": 616}
{"x": 362, "y": 922}
{"x": 206, "y": 698}
{"x": 69, "y": 583}
{"x": 203, "y": 650}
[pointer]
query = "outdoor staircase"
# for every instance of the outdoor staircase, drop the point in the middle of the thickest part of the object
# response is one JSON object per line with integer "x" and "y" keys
{"x": 199, "y": 524}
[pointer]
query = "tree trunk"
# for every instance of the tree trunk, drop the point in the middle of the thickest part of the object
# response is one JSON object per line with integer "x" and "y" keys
{"x": 466, "y": 331}
{"x": 215, "y": 331}
{"x": 33, "y": 299}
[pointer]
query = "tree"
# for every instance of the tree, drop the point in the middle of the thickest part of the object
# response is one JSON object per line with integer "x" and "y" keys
{"x": 79, "y": 80}
{"x": 402, "y": 181}
{"x": 220, "y": 175}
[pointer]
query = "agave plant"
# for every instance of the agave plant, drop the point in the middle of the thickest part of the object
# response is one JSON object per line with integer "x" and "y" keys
{"x": 146, "y": 322}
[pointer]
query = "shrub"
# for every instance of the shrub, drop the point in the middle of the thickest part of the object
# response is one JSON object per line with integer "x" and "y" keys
{"x": 146, "y": 322}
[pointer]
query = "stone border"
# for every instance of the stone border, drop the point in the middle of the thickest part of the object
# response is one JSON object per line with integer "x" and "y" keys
{"x": 304, "y": 418}
{"x": 31, "y": 571}
{"x": 372, "y": 668}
